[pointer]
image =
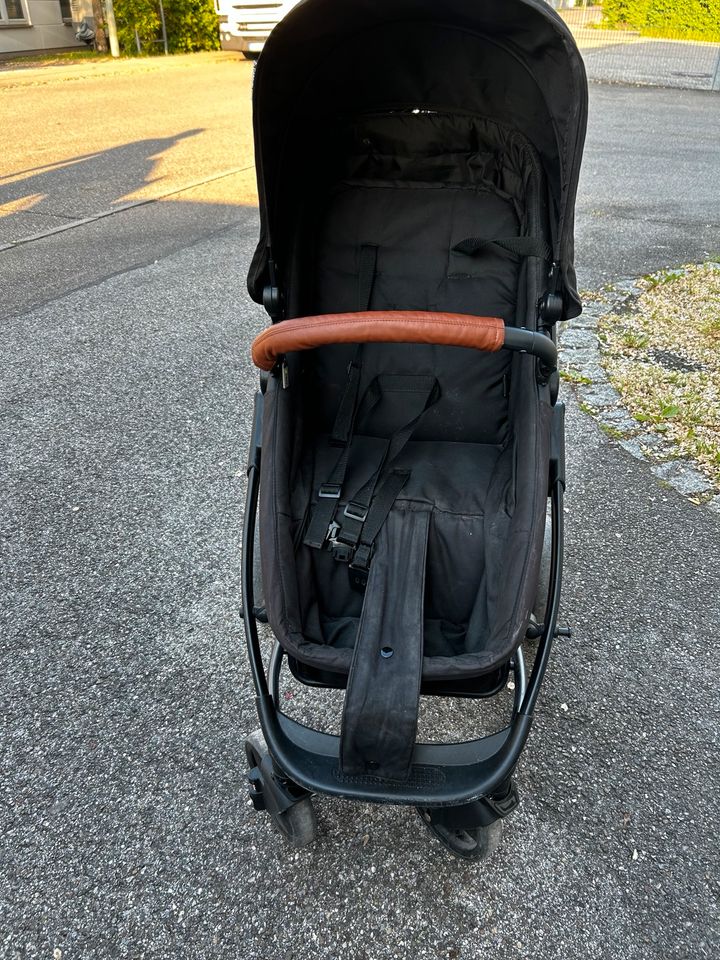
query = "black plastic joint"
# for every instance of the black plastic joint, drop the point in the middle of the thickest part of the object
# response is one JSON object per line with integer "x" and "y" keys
{"x": 551, "y": 309}
{"x": 273, "y": 301}
{"x": 255, "y": 449}
{"x": 503, "y": 804}
{"x": 478, "y": 813}
{"x": 255, "y": 789}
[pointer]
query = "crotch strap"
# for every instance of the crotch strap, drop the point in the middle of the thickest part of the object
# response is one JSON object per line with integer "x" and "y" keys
{"x": 381, "y": 702}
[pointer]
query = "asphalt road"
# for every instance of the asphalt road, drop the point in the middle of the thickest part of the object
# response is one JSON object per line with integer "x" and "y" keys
{"x": 126, "y": 397}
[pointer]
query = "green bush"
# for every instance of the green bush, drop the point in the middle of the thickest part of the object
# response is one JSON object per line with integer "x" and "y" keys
{"x": 191, "y": 25}
{"x": 140, "y": 15}
{"x": 680, "y": 19}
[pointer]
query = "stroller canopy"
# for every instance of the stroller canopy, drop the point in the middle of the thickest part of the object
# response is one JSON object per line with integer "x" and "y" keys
{"x": 512, "y": 61}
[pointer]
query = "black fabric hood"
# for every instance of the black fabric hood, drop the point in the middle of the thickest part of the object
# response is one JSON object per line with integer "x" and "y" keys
{"x": 513, "y": 61}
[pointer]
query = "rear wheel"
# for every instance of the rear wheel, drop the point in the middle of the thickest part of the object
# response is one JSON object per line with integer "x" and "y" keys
{"x": 473, "y": 843}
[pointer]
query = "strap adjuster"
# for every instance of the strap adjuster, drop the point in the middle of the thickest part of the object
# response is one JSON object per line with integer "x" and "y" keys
{"x": 356, "y": 511}
{"x": 329, "y": 491}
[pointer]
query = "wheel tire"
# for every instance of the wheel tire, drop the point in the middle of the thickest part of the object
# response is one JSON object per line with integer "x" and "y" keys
{"x": 255, "y": 748}
{"x": 477, "y": 843}
{"x": 297, "y": 824}
{"x": 251, "y": 54}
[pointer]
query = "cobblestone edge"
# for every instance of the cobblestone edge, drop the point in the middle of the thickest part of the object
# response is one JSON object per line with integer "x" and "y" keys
{"x": 581, "y": 357}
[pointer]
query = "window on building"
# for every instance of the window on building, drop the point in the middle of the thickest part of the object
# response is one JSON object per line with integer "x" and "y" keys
{"x": 13, "y": 11}
{"x": 65, "y": 9}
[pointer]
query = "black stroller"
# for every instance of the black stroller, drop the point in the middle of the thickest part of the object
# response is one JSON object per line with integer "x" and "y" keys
{"x": 417, "y": 167}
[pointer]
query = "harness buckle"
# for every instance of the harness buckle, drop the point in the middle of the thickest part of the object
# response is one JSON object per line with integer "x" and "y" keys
{"x": 329, "y": 491}
{"x": 338, "y": 550}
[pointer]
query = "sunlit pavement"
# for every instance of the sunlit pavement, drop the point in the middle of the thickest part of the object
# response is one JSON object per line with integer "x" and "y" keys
{"x": 126, "y": 386}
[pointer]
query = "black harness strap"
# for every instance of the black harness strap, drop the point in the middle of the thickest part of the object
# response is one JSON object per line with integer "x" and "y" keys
{"x": 329, "y": 492}
{"x": 342, "y": 428}
{"x": 379, "y": 722}
{"x": 381, "y": 506}
{"x": 425, "y": 392}
{"x": 518, "y": 246}
{"x": 367, "y": 268}
{"x": 345, "y": 534}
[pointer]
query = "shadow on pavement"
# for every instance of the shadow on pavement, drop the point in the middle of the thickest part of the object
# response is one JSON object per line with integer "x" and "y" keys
{"x": 44, "y": 198}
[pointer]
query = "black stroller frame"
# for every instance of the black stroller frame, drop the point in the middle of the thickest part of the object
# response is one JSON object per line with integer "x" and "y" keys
{"x": 462, "y": 790}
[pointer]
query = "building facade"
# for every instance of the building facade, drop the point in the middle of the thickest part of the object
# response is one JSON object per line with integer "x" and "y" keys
{"x": 37, "y": 26}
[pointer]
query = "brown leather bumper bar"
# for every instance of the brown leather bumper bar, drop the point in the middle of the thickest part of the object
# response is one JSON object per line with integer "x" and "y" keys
{"x": 396, "y": 326}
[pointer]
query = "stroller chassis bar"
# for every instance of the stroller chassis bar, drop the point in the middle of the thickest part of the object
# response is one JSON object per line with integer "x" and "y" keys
{"x": 442, "y": 775}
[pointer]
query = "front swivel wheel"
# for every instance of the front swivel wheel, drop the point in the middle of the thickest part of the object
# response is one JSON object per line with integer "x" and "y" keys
{"x": 288, "y": 804}
{"x": 468, "y": 843}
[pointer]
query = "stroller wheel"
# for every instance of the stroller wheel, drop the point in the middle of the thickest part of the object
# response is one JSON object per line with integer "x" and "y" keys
{"x": 289, "y": 806}
{"x": 473, "y": 843}
{"x": 298, "y": 824}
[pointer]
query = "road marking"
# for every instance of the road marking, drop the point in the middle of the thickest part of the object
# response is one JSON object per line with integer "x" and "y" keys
{"x": 121, "y": 208}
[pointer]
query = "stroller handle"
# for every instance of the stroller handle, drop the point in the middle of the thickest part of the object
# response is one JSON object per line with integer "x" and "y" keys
{"x": 398, "y": 326}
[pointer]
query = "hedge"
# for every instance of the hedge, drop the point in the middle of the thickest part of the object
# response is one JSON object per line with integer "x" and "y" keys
{"x": 191, "y": 25}
{"x": 679, "y": 19}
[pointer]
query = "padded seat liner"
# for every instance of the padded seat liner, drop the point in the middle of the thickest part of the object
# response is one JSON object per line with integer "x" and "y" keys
{"x": 414, "y": 227}
{"x": 413, "y": 187}
{"x": 474, "y": 387}
{"x": 452, "y": 477}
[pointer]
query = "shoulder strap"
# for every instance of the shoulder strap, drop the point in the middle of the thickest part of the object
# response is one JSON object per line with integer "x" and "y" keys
{"x": 342, "y": 428}
{"x": 518, "y": 246}
{"x": 330, "y": 491}
{"x": 423, "y": 392}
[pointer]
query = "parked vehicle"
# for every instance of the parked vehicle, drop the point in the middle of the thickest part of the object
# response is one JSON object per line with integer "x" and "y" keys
{"x": 246, "y": 26}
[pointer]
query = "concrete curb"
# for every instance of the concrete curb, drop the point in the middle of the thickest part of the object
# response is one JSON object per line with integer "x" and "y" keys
{"x": 581, "y": 359}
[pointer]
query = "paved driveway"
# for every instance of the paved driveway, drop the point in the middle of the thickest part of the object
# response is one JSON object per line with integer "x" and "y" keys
{"x": 125, "y": 696}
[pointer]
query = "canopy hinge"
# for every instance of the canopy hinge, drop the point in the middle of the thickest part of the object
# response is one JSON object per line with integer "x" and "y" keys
{"x": 550, "y": 306}
{"x": 272, "y": 297}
